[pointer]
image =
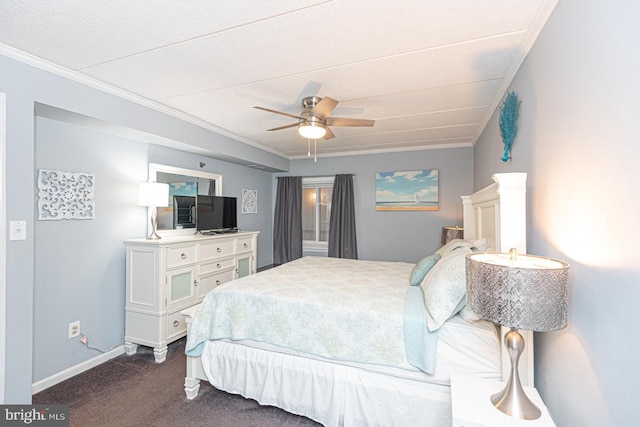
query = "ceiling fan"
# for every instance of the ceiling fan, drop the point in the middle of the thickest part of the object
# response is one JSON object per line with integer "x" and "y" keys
{"x": 314, "y": 121}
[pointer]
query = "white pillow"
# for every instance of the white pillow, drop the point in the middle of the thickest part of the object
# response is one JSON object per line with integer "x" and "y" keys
{"x": 479, "y": 245}
{"x": 444, "y": 287}
{"x": 469, "y": 315}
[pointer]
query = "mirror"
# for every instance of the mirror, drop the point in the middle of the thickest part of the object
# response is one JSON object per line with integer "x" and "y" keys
{"x": 178, "y": 217}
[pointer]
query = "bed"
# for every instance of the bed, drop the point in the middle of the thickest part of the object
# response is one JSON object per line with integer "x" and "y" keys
{"x": 304, "y": 338}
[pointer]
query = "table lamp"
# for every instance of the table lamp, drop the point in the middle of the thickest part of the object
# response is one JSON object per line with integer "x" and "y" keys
{"x": 153, "y": 195}
{"x": 520, "y": 292}
{"x": 450, "y": 233}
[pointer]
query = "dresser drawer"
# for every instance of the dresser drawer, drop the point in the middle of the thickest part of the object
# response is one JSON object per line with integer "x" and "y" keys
{"x": 182, "y": 255}
{"x": 216, "y": 250}
{"x": 207, "y": 283}
{"x": 176, "y": 325}
{"x": 245, "y": 244}
{"x": 215, "y": 266}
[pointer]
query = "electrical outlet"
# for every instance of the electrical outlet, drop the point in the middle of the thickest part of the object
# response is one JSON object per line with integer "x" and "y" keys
{"x": 74, "y": 329}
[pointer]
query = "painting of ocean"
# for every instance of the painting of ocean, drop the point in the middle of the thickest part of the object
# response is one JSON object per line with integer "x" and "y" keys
{"x": 407, "y": 190}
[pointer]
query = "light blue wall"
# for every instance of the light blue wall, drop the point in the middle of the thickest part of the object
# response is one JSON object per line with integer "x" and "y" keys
{"x": 59, "y": 259}
{"x": 20, "y": 258}
{"x": 579, "y": 143}
{"x": 399, "y": 236}
{"x": 79, "y": 264}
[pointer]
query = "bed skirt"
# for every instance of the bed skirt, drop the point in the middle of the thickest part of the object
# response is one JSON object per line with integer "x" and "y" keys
{"x": 331, "y": 394}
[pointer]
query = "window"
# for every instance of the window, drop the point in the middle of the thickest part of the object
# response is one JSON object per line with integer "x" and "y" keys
{"x": 316, "y": 212}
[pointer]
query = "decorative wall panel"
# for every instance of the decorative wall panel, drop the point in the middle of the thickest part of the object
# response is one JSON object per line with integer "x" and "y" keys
{"x": 249, "y": 201}
{"x": 65, "y": 195}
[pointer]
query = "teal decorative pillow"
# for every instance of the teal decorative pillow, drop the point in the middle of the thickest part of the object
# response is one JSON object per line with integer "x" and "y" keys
{"x": 422, "y": 268}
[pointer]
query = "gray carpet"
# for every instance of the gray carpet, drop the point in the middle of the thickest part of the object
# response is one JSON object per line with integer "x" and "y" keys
{"x": 136, "y": 391}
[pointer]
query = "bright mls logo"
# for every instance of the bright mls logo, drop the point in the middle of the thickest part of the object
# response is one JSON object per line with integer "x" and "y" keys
{"x": 37, "y": 415}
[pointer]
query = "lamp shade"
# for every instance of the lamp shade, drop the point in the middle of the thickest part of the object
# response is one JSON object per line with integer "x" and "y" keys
{"x": 153, "y": 194}
{"x": 451, "y": 233}
{"x": 518, "y": 291}
{"x": 312, "y": 129}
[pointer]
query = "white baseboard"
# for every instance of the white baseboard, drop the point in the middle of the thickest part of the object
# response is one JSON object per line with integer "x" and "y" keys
{"x": 75, "y": 370}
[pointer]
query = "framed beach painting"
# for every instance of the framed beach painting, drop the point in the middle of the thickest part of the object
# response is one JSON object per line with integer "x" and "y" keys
{"x": 407, "y": 190}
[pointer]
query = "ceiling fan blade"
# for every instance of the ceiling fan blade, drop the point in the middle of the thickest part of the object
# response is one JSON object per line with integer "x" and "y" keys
{"x": 284, "y": 127}
{"x": 293, "y": 116}
{"x": 344, "y": 121}
{"x": 328, "y": 134}
{"x": 324, "y": 108}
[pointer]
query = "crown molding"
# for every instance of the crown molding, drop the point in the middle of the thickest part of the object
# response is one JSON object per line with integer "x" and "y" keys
{"x": 386, "y": 150}
{"x": 76, "y": 76}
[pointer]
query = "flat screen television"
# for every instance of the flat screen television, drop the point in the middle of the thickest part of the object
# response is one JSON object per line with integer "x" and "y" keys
{"x": 216, "y": 214}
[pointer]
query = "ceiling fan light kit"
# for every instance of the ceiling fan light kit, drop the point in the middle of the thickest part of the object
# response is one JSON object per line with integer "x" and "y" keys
{"x": 312, "y": 129}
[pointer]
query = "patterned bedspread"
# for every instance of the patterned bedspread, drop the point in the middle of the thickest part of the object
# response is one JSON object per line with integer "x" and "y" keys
{"x": 341, "y": 309}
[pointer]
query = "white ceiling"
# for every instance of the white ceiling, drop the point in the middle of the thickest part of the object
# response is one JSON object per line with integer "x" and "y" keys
{"x": 429, "y": 72}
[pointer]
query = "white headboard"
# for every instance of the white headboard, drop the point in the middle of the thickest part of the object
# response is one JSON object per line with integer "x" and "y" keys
{"x": 498, "y": 213}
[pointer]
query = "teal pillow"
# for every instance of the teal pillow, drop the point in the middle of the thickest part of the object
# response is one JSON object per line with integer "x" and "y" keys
{"x": 422, "y": 268}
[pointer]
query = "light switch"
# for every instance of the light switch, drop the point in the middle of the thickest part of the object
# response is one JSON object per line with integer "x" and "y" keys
{"x": 18, "y": 230}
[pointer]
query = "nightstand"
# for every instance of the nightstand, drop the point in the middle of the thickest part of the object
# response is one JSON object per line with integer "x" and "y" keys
{"x": 472, "y": 407}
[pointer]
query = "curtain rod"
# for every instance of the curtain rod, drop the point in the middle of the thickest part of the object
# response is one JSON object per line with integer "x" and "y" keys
{"x": 315, "y": 176}
{"x": 326, "y": 176}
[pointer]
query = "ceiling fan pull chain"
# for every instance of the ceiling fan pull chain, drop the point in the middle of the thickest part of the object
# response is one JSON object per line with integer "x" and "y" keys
{"x": 308, "y": 148}
{"x": 315, "y": 150}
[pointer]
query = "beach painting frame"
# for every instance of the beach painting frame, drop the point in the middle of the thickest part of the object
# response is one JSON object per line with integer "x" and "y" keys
{"x": 407, "y": 190}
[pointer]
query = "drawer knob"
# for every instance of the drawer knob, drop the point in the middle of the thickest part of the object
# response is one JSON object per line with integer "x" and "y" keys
{"x": 176, "y": 323}
{"x": 218, "y": 282}
{"x": 183, "y": 255}
{"x": 246, "y": 246}
{"x": 218, "y": 265}
{"x": 195, "y": 283}
{"x": 219, "y": 250}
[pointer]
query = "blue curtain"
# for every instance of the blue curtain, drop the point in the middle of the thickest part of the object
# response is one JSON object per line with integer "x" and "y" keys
{"x": 287, "y": 223}
{"x": 342, "y": 224}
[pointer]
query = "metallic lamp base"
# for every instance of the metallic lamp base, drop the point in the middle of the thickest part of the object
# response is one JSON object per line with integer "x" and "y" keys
{"x": 512, "y": 400}
{"x": 154, "y": 226}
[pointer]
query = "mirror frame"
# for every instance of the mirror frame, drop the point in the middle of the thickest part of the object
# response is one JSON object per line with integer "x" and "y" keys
{"x": 154, "y": 168}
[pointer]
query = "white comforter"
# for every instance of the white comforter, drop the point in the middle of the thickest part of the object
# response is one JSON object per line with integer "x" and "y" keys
{"x": 335, "y": 308}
